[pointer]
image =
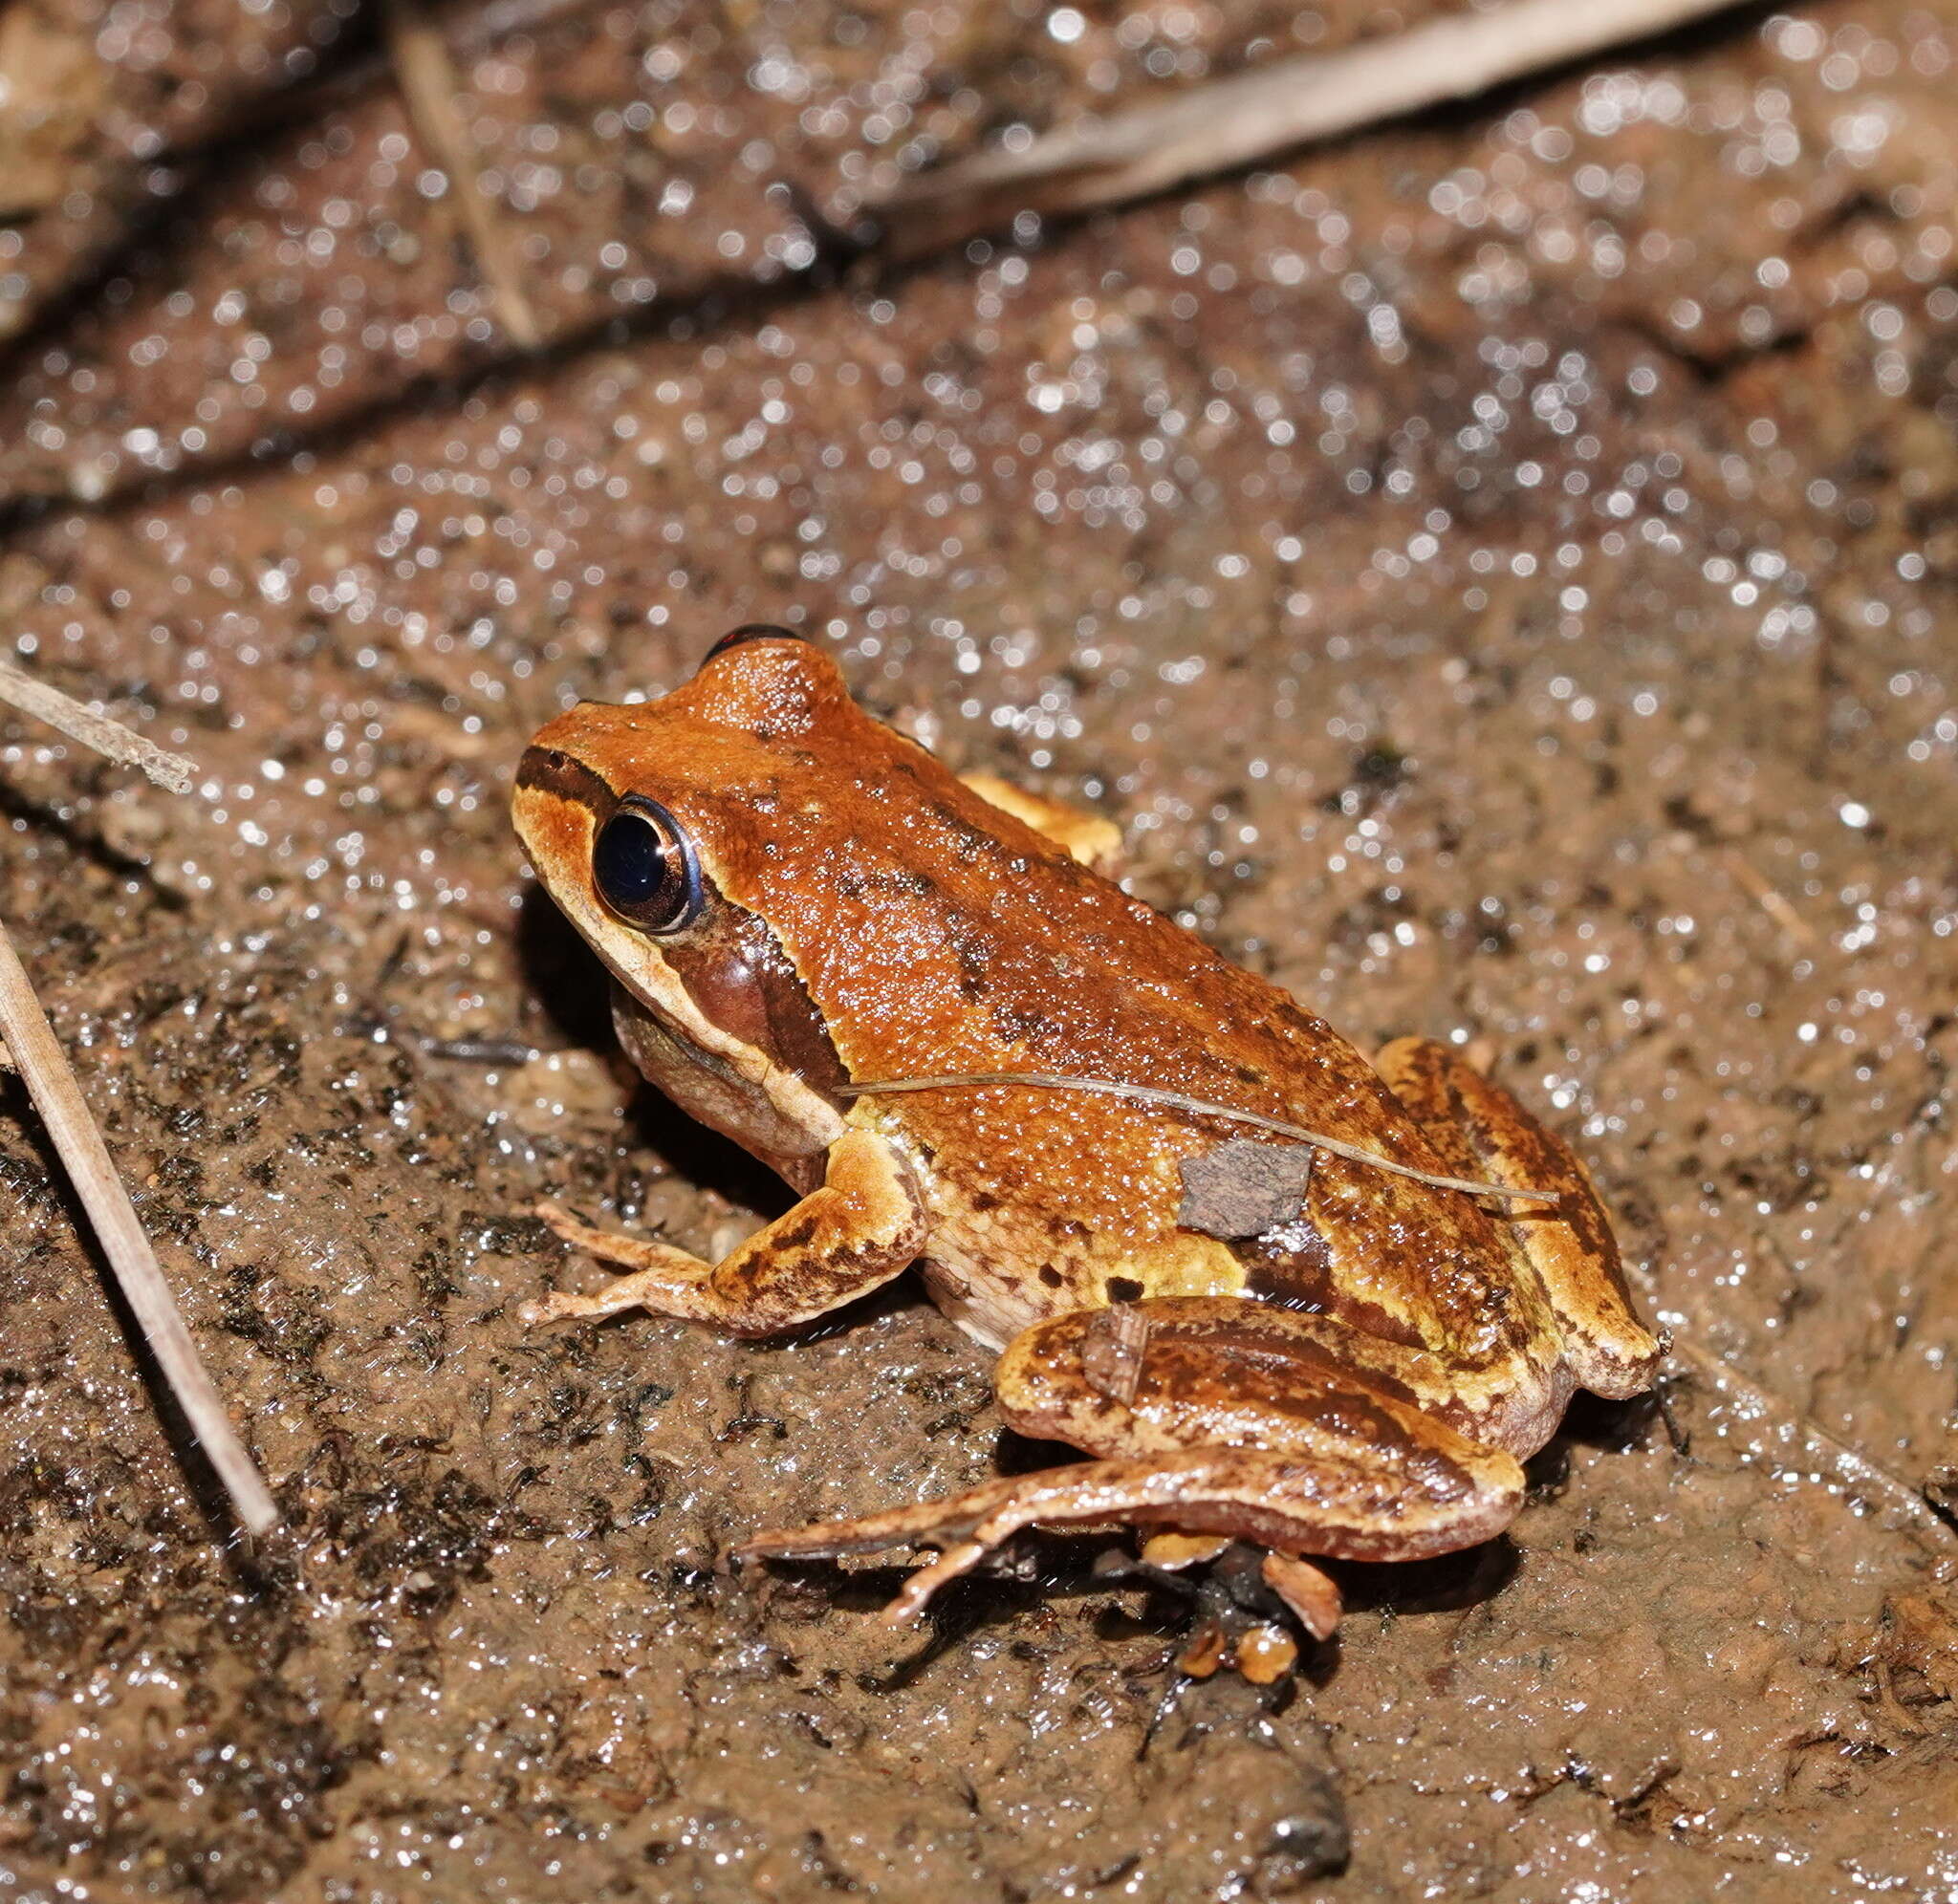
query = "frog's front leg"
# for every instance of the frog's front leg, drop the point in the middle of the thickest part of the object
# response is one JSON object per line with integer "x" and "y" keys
{"x": 1088, "y": 837}
{"x": 1212, "y": 1415}
{"x": 862, "y": 1225}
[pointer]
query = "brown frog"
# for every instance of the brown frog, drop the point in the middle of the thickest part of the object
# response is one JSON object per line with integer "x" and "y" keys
{"x": 793, "y": 901}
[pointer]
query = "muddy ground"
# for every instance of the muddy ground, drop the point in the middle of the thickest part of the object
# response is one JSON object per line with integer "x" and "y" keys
{"x": 1499, "y": 573}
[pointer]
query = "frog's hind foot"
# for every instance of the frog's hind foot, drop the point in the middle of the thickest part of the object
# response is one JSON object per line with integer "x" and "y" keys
{"x": 1399, "y": 1505}
{"x": 963, "y": 1526}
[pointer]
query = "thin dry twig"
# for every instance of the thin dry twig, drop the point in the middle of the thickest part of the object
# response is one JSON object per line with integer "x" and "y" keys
{"x": 1270, "y": 109}
{"x": 1198, "y": 1107}
{"x": 1769, "y": 898}
{"x": 111, "y": 738}
{"x": 465, "y": 27}
{"x": 119, "y": 191}
{"x": 58, "y": 1097}
{"x": 31, "y": 1048}
{"x": 429, "y": 85}
{"x": 1853, "y": 1467}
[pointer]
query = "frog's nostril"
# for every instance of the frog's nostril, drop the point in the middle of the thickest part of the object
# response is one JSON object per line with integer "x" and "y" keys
{"x": 750, "y": 631}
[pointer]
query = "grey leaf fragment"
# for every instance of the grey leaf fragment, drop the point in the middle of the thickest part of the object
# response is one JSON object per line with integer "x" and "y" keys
{"x": 1243, "y": 1187}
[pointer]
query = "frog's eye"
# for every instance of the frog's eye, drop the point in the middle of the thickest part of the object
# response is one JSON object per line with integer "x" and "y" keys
{"x": 750, "y": 631}
{"x": 646, "y": 869}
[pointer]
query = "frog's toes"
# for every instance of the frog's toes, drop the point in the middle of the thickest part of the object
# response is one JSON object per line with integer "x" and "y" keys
{"x": 1312, "y": 1595}
{"x": 656, "y": 1266}
{"x": 560, "y": 1306}
{"x": 967, "y": 1527}
{"x": 915, "y": 1594}
{"x": 560, "y": 1222}
{"x": 828, "y": 1540}
{"x": 929, "y": 1525}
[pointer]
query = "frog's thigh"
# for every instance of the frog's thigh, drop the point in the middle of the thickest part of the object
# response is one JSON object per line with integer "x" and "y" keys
{"x": 1320, "y": 1458}
{"x": 863, "y": 1225}
{"x": 1482, "y": 1132}
{"x": 1090, "y": 838}
{"x": 1371, "y": 1473}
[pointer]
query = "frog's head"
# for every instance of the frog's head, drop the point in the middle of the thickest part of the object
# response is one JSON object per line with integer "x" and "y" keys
{"x": 649, "y": 826}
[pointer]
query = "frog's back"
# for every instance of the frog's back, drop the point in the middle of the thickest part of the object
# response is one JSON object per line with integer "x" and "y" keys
{"x": 933, "y": 934}
{"x": 937, "y": 935}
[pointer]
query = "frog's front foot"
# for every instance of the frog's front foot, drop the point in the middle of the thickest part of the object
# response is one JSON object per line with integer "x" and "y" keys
{"x": 655, "y": 1266}
{"x": 861, "y": 1227}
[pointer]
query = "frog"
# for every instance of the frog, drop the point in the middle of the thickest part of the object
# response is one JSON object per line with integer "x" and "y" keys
{"x": 928, "y": 1004}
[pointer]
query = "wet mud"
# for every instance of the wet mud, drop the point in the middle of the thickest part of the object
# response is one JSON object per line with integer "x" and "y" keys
{"x": 1497, "y": 570}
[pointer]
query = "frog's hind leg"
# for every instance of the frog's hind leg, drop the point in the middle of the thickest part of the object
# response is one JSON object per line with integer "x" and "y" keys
{"x": 1214, "y": 1416}
{"x": 1482, "y": 1132}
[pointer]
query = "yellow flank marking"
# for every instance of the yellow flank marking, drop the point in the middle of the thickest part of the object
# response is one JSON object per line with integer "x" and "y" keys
{"x": 1181, "y": 1265}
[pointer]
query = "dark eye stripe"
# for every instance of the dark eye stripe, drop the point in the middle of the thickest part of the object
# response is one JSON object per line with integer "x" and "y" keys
{"x": 644, "y": 867}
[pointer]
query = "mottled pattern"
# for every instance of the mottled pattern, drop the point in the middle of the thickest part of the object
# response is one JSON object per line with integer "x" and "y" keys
{"x": 1569, "y": 1243}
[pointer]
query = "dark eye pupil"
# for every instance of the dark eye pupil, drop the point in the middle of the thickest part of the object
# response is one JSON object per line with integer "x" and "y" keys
{"x": 631, "y": 861}
{"x": 643, "y": 871}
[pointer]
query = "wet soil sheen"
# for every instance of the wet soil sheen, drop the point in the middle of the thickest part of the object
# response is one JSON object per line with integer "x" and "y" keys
{"x": 1499, "y": 570}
